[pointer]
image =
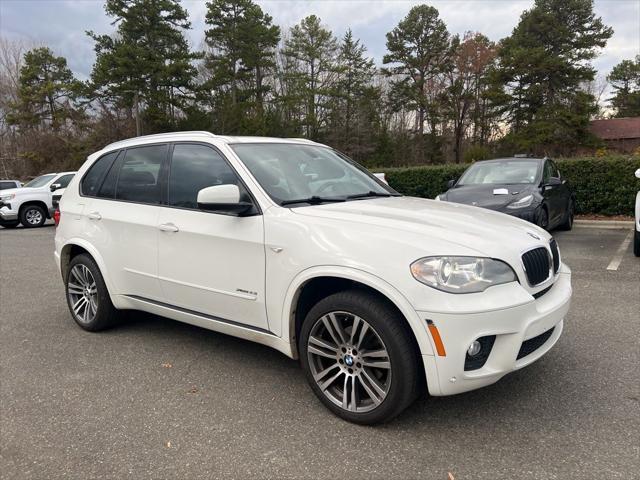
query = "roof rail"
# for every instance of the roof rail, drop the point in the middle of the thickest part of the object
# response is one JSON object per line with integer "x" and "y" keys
{"x": 300, "y": 139}
{"x": 160, "y": 135}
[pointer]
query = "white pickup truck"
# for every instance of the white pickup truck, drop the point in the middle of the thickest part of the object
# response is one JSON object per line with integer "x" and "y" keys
{"x": 31, "y": 205}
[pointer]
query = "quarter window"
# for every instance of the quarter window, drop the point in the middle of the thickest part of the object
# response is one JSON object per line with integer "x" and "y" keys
{"x": 93, "y": 179}
{"x": 194, "y": 167}
{"x": 139, "y": 176}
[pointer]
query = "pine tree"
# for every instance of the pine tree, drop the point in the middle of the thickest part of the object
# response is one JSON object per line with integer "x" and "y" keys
{"x": 419, "y": 52}
{"x": 625, "y": 81}
{"x": 47, "y": 92}
{"x": 542, "y": 66}
{"x": 310, "y": 74}
{"x": 241, "y": 56}
{"x": 146, "y": 64}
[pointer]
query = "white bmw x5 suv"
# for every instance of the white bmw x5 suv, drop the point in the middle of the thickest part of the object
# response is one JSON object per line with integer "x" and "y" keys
{"x": 288, "y": 243}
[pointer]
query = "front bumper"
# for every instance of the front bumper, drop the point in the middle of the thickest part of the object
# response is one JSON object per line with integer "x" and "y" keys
{"x": 6, "y": 213}
{"x": 446, "y": 375}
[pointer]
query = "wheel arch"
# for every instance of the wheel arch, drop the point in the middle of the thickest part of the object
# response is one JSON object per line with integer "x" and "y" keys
{"x": 38, "y": 203}
{"x": 316, "y": 283}
{"x": 76, "y": 247}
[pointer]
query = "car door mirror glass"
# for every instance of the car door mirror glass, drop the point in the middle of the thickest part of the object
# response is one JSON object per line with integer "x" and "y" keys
{"x": 451, "y": 183}
{"x": 223, "y": 199}
{"x": 554, "y": 181}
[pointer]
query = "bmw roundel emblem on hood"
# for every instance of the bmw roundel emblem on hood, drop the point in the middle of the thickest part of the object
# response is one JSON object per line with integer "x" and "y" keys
{"x": 531, "y": 234}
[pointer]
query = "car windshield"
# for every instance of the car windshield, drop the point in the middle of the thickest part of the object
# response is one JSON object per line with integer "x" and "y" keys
{"x": 311, "y": 174}
{"x": 501, "y": 172}
{"x": 40, "y": 181}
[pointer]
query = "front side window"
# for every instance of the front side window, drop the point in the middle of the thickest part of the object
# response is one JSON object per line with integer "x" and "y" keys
{"x": 64, "y": 180}
{"x": 194, "y": 167}
{"x": 290, "y": 172}
{"x": 500, "y": 172}
{"x": 139, "y": 176}
{"x": 40, "y": 181}
{"x": 93, "y": 178}
{"x": 548, "y": 171}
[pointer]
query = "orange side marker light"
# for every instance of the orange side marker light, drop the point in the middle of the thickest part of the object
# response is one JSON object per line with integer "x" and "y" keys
{"x": 436, "y": 339}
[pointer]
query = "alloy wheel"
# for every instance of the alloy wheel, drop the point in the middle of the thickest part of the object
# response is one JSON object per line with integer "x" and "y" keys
{"x": 83, "y": 293}
{"x": 33, "y": 216}
{"x": 349, "y": 361}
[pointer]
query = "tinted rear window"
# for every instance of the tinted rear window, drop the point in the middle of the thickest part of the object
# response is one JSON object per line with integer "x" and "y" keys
{"x": 139, "y": 176}
{"x": 93, "y": 178}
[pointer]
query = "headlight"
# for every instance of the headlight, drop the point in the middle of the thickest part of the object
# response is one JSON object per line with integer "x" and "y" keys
{"x": 462, "y": 274}
{"x": 5, "y": 198}
{"x": 437, "y": 197}
{"x": 523, "y": 202}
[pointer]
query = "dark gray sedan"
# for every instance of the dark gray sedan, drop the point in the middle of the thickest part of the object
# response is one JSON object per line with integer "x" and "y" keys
{"x": 528, "y": 188}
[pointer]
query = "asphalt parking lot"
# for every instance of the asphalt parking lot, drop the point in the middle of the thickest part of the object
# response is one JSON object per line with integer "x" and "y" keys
{"x": 155, "y": 398}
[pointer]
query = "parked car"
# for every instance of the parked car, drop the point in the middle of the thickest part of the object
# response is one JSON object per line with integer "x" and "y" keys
{"x": 529, "y": 188}
{"x": 7, "y": 184}
{"x": 31, "y": 205}
{"x": 290, "y": 244}
{"x": 636, "y": 234}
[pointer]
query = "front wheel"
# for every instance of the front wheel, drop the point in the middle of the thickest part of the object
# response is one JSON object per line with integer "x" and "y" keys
{"x": 543, "y": 218}
{"x": 359, "y": 357}
{"x": 32, "y": 216}
{"x": 9, "y": 223}
{"x": 568, "y": 221}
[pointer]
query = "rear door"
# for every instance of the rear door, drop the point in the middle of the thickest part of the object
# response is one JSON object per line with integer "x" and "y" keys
{"x": 210, "y": 263}
{"x": 122, "y": 219}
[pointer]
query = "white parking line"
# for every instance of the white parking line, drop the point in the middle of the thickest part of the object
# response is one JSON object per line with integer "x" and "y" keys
{"x": 617, "y": 258}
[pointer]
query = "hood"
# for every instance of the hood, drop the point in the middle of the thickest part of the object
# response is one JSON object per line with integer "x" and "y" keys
{"x": 488, "y": 196}
{"x": 10, "y": 191}
{"x": 438, "y": 225}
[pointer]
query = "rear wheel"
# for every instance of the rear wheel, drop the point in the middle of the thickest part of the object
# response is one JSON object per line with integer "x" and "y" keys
{"x": 359, "y": 357}
{"x": 32, "y": 216}
{"x": 87, "y": 295}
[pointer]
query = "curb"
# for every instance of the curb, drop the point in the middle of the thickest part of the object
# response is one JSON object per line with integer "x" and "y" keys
{"x": 614, "y": 224}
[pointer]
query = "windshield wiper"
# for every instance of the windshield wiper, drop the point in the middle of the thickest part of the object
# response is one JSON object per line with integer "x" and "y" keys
{"x": 371, "y": 193}
{"x": 313, "y": 200}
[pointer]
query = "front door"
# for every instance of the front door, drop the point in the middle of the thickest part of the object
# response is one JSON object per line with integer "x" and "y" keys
{"x": 210, "y": 263}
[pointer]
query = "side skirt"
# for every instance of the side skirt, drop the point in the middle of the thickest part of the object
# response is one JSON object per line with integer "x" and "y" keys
{"x": 228, "y": 327}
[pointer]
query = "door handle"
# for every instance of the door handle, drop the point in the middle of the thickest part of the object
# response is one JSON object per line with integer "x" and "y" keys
{"x": 168, "y": 227}
{"x": 94, "y": 216}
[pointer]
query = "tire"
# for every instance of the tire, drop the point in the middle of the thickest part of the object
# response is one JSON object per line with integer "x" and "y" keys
{"x": 10, "y": 223}
{"x": 543, "y": 218}
{"x": 32, "y": 216}
{"x": 392, "y": 377}
{"x": 568, "y": 222}
{"x": 636, "y": 243}
{"x": 84, "y": 281}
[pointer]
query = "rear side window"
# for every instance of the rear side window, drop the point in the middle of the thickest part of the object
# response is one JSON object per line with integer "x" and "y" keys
{"x": 139, "y": 175}
{"x": 194, "y": 167}
{"x": 6, "y": 185}
{"x": 93, "y": 179}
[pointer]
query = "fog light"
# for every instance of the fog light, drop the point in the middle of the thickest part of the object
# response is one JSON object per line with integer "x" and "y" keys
{"x": 474, "y": 348}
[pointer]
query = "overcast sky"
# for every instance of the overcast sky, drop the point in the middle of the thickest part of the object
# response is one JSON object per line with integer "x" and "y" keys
{"x": 61, "y": 24}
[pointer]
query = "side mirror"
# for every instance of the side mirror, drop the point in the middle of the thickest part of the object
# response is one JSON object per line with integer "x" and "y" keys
{"x": 554, "y": 182}
{"x": 223, "y": 199}
{"x": 638, "y": 173}
{"x": 451, "y": 183}
{"x": 54, "y": 187}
